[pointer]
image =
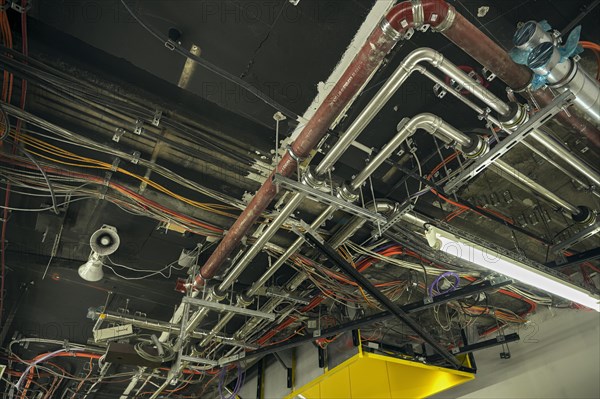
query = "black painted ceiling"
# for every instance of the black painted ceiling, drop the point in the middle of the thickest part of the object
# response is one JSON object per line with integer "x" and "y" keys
{"x": 283, "y": 50}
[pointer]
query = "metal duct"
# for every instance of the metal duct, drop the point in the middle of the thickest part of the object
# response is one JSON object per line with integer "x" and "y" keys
{"x": 563, "y": 75}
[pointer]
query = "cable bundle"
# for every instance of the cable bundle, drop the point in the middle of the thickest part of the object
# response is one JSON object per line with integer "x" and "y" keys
{"x": 238, "y": 384}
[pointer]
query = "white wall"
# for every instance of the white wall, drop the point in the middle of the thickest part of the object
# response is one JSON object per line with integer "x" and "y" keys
{"x": 559, "y": 357}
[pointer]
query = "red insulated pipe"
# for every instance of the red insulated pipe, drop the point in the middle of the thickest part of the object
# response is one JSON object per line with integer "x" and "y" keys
{"x": 377, "y": 46}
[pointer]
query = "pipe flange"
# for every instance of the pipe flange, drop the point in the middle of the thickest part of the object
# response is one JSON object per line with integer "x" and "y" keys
{"x": 217, "y": 294}
{"x": 516, "y": 116}
{"x": 446, "y": 22}
{"x": 344, "y": 192}
{"x": 389, "y": 31}
{"x": 585, "y": 216}
{"x": 244, "y": 300}
{"x": 312, "y": 179}
{"x": 418, "y": 13}
{"x": 478, "y": 147}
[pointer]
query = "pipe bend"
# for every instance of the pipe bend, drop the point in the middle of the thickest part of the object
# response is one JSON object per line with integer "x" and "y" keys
{"x": 434, "y": 13}
{"x": 439, "y": 128}
{"x": 426, "y": 121}
{"x": 422, "y": 54}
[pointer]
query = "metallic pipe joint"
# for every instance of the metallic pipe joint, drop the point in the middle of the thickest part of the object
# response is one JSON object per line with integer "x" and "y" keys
{"x": 418, "y": 13}
{"x": 447, "y": 22}
{"x": 389, "y": 31}
{"x": 586, "y": 216}
{"x": 478, "y": 147}
{"x": 244, "y": 300}
{"x": 217, "y": 294}
{"x": 516, "y": 116}
{"x": 313, "y": 180}
{"x": 346, "y": 193}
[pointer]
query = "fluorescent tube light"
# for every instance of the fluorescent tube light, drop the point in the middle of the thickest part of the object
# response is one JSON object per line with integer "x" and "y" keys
{"x": 514, "y": 269}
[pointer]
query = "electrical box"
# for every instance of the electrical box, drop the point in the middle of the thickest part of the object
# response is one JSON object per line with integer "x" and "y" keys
{"x": 112, "y": 333}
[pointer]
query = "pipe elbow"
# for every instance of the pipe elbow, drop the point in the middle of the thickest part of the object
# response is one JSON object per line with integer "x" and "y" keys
{"x": 426, "y": 121}
{"x": 437, "y": 127}
{"x": 410, "y": 14}
{"x": 423, "y": 54}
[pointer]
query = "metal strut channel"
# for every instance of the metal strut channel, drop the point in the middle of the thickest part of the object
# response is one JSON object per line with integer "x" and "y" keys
{"x": 499, "y": 340}
{"x": 327, "y": 199}
{"x": 413, "y": 307}
{"x": 583, "y": 235}
{"x": 221, "y": 307}
{"x": 363, "y": 282}
{"x": 557, "y": 105}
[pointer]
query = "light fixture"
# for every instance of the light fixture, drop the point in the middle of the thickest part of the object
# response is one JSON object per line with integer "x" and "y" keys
{"x": 534, "y": 276}
{"x": 103, "y": 242}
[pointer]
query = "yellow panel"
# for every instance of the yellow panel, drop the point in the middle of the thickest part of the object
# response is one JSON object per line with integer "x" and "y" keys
{"x": 415, "y": 382}
{"x": 337, "y": 385}
{"x": 369, "y": 379}
{"x": 313, "y": 393}
{"x": 374, "y": 376}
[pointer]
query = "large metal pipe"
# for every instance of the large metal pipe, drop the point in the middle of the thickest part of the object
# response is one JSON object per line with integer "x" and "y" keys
{"x": 396, "y": 80}
{"x": 510, "y": 173}
{"x": 570, "y": 120}
{"x": 567, "y": 156}
{"x": 563, "y": 75}
{"x": 412, "y": 63}
{"x": 433, "y": 124}
{"x": 543, "y": 139}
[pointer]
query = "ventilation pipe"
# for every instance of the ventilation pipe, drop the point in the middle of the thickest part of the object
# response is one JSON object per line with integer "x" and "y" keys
{"x": 566, "y": 75}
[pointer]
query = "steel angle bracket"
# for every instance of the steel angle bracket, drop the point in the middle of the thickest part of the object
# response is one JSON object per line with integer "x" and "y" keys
{"x": 327, "y": 199}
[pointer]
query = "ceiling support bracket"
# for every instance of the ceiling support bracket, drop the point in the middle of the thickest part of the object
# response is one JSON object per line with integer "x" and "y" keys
{"x": 473, "y": 289}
